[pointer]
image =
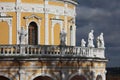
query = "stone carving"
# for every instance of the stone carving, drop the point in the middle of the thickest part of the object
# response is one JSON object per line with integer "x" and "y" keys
{"x": 62, "y": 37}
{"x": 101, "y": 40}
{"x": 83, "y": 43}
{"x": 22, "y": 7}
{"x": 22, "y": 34}
{"x": 90, "y": 39}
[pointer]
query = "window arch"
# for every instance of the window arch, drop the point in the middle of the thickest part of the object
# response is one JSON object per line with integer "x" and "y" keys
{"x": 78, "y": 77}
{"x": 33, "y": 34}
{"x": 99, "y": 77}
{"x": 4, "y": 78}
{"x": 43, "y": 78}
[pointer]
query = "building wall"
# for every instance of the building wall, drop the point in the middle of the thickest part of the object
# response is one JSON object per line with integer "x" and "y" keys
{"x": 50, "y": 12}
{"x": 28, "y": 70}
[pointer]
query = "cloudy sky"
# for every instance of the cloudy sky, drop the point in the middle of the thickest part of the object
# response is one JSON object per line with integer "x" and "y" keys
{"x": 101, "y": 16}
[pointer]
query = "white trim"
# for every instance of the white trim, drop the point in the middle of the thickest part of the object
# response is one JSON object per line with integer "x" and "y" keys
{"x": 66, "y": 23}
{"x": 9, "y": 75}
{"x": 42, "y": 74}
{"x": 18, "y": 25}
{"x": 81, "y": 74}
{"x": 46, "y": 24}
{"x": 38, "y": 8}
{"x": 38, "y": 25}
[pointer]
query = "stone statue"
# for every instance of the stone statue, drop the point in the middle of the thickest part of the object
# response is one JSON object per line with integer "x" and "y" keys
{"x": 22, "y": 34}
{"x": 90, "y": 39}
{"x": 102, "y": 45}
{"x": 83, "y": 43}
{"x": 62, "y": 37}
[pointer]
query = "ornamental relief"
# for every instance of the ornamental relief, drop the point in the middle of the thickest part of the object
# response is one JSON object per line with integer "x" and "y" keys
{"x": 57, "y": 10}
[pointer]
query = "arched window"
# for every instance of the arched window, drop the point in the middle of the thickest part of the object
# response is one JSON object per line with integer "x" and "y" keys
{"x": 43, "y": 78}
{"x": 3, "y": 78}
{"x": 33, "y": 34}
{"x": 78, "y": 77}
{"x": 99, "y": 77}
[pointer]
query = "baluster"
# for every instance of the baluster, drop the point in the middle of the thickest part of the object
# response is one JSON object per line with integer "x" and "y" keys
{"x": 0, "y": 51}
{"x": 35, "y": 50}
{"x": 27, "y": 50}
{"x": 4, "y": 50}
{"x": 7, "y": 50}
{"x": 38, "y": 50}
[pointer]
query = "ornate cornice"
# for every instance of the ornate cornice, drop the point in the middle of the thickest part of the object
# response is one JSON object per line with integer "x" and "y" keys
{"x": 36, "y": 8}
{"x": 33, "y": 16}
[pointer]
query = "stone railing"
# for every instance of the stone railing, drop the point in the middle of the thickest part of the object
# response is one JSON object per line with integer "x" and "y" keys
{"x": 49, "y": 51}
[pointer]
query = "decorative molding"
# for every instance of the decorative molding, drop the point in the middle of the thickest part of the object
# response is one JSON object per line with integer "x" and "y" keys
{"x": 33, "y": 16}
{"x": 42, "y": 74}
{"x": 38, "y": 24}
{"x": 8, "y": 19}
{"x": 81, "y": 74}
{"x": 38, "y": 8}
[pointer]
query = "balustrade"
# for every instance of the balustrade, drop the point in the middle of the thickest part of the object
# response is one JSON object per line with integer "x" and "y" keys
{"x": 49, "y": 50}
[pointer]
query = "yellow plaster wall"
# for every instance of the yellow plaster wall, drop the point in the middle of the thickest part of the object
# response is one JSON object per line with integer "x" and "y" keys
{"x": 7, "y": 0}
{"x": 56, "y": 3}
{"x": 57, "y": 34}
{"x": 14, "y": 28}
{"x": 71, "y": 6}
{"x": 33, "y": 1}
{"x": 4, "y": 33}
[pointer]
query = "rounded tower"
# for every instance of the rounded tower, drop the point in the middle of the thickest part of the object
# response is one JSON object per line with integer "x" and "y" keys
{"x": 42, "y": 19}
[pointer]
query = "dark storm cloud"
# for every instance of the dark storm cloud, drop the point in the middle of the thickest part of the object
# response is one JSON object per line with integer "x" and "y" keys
{"x": 102, "y": 16}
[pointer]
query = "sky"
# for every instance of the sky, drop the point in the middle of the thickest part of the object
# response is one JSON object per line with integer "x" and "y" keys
{"x": 101, "y": 16}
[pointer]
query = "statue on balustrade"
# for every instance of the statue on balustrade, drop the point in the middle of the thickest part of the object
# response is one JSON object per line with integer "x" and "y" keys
{"x": 90, "y": 39}
{"x": 102, "y": 44}
{"x": 62, "y": 37}
{"x": 100, "y": 41}
{"x": 83, "y": 43}
{"x": 22, "y": 35}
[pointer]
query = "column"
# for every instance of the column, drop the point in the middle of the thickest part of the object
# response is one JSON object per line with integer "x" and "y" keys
{"x": 104, "y": 75}
{"x": 39, "y": 24}
{"x": 18, "y": 11}
{"x": 52, "y": 33}
{"x": 66, "y": 22}
{"x": 71, "y": 35}
{"x": 46, "y": 24}
{"x": 22, "y": 75}
{"x": 74, "y": 33}
{"x": 10, "y": 30}
{"x": 94, "y": 75}
{"x": 27, "y": 30}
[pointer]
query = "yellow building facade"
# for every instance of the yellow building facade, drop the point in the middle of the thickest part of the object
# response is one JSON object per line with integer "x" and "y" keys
{"x": 48, "y": 16}
{"x": 40, "y": 55}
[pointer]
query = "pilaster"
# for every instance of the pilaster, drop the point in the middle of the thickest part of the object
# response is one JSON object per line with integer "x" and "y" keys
{"x": 10, "y": 31}
{"x": 46, "y": 23}
{"x": 66, "y": 22}
{"x": 18, "y": 12}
